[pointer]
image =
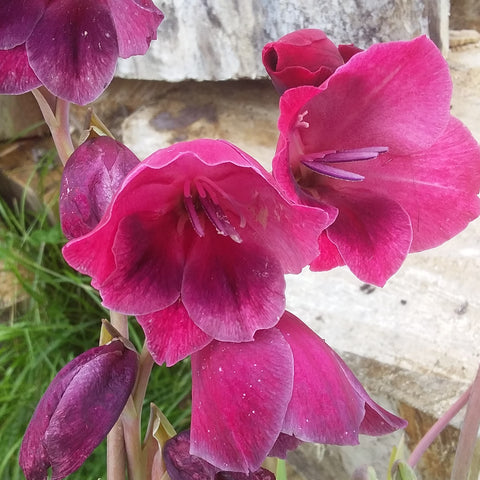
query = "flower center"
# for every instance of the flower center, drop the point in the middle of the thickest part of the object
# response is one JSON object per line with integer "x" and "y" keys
{"x": 203, "y": 195}
{"x": 321, "y": 162}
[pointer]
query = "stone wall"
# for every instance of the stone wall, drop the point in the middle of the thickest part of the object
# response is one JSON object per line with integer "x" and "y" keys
{"x": 220, "y": 40}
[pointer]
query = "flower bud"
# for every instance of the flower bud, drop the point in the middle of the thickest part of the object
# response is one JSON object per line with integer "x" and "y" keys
{"x": 303, "y": 57}
{"x": 77, "y": 411}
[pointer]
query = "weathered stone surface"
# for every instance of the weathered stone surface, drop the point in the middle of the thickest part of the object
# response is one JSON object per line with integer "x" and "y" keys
{"x": 18, "y": 113}
{"x": 465, "y": 14}
{"x": 219, "y": 40}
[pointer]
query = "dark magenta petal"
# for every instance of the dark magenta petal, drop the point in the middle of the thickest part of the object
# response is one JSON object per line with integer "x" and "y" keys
{"x": 171, "y": 335}
{"x": 231, "y": 296}
{"x": 240, "y": 392}
{"x": 303, "y": 57}
{"x": 348, "y": 51}
{"x": 16, "y": 75}
{"x": 328, "y": 404}
{"x": 181, "y": 465}
{"x": 372, "y": 234}
{"x": 149, "y": 259}
{"x": 73, "y": 49}
{"x": 91, "y": 177}
{"x": 17, "y": 20}
{"x": 136, "y": 23}
{"x": 77, "y": 411}
{"x": 260, "y": 474}
{"x": 283, "y": 444}
{"x": 377, "y": 420}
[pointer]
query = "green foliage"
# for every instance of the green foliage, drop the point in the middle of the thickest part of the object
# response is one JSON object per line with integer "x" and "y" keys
{"x": 58, "y": 319}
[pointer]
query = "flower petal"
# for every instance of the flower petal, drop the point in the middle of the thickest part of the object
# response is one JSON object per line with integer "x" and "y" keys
{"x": 149, "y": 263}
{"x": 372, "y": 234}
{"x": 240, "y": 393}
{"x": 377, "y": 420}
{"x": 17, "y": 20}
{"x": 92, "y": 175}
{"x": 375, "y": 97}
{"x": 335, "y": 409}
{"x": 438, "y": 187}
{"x": 16, "y": 75}
{"x": 136, "y": 23}
{"x": 171, "y": 335}
{"x": 73, "y": 49}
{"x": 77, "y": 411}
{"x": 232, "y": 290}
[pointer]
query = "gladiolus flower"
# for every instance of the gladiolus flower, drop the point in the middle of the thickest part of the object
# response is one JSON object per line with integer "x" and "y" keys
{"x": 71, "y": 47}
{"x": 78, "y": 409}
{"x": 377, "y": 148}
{"x": 201, "y": 230}
{"x": 303, "y": 57}
{"x": 260, "y": 398}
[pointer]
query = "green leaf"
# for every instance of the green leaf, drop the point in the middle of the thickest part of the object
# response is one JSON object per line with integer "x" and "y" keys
{"x": 403, "y": 471}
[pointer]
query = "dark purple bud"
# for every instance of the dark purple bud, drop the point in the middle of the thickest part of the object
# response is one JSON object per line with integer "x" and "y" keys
{"x": 78, "y": 409}
{"x": 183, "y": 466}
{"x": 260, "y": 474}
{"x": 90, "y": 179}
{"x": 283, "y": 444}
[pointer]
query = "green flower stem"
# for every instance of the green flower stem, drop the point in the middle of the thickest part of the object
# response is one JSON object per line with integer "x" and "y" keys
{"x": 144, "y": 370}
{"x": 116, "y": 451}
{"x": 58, "y": 123}
{"x": 468, "y": 434}
{"x": 136, "y": 463}
{"x": 437, "y": 428}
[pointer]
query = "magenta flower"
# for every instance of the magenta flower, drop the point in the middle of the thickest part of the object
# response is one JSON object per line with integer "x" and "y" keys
{"x": 78, "y": 409}
{"x": 71, "y": 47}
{"x": 199, "y": 229}
{"x": 377, "y": 148}
{"x": 260, "y": 398}
{"x": 303, "y": 57}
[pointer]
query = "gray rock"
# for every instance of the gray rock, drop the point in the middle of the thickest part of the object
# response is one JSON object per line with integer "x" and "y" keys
{"x": 213, "y": 40}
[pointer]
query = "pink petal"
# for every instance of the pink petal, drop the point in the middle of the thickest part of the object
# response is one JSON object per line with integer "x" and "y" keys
{"x": 16, "y": 75}
{"x": 136, "y": 23}
{"x": 377, "y": 420}
{"x": 327, "y": 405}
{"x": 377, "y": 97}
{"x": 17, "y": 20}
{"x": 232, "y": 290}
{"x": 240, "y": 394}
{"x": 438, "y": 187}
{"x": 149, "y": 263}
{"x": 92, "y": 175}
{"x": 372, "y": 234}
{"x": 77, "y": 411}
{"x": 329, "y": 255}
{"x": 171, "y": 335}
{"x": 73, "y": 49}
